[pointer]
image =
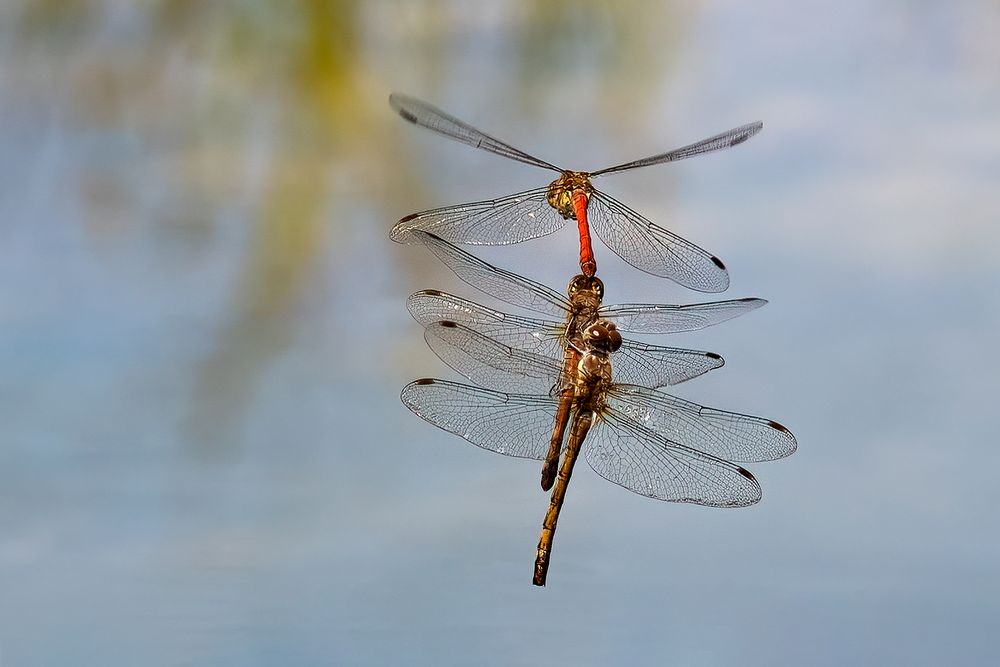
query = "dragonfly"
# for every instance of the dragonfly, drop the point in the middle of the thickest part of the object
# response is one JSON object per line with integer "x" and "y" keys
{"x": 571, "y": 196}
{"x": 578, "y": 311}
{"x": 645, "y": 440}
{"x": 636, "y": 362}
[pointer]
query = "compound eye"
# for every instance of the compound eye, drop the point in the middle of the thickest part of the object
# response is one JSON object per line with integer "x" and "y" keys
{"x": 599, "y": 287}
{"x": 614, "y": 340}
{"x": 604, "y": 336}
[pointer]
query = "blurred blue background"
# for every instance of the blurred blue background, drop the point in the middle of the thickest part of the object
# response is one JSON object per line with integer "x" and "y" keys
{"x": 202, "y": 332}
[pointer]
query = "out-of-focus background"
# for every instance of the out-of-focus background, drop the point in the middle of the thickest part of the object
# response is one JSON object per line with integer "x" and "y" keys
{"x": 203, "y": 456}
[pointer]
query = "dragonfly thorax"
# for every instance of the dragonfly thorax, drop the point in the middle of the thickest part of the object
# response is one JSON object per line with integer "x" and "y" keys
{"x": 562, "y": 189}
{"x": 585, "y": 295}
{"x": 603, "y": 336}
{"x": 592, "y": 380}
{"x": 593, "y": 368}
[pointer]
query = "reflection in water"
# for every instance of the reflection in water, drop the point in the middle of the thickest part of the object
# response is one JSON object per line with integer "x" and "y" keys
{"x": 268, "y": 114}
{"x": 203, "y": 334}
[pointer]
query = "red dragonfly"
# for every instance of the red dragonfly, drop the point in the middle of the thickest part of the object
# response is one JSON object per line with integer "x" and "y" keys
{"x": 572, "y": 196}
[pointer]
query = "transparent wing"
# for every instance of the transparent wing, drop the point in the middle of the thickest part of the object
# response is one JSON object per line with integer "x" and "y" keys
{"x": 489, "y": 363}
{"x": 634, "y": 363}
{"x": 423, "y": 114}
{"x": 496, "y": 282}
{"x": 653, "y": 249}
{"x": 513, "y": 219}
{"x": 622, "y": 451}
{"x": 534, "y": 335}
{"x": 718, "y": 142}
{"x": 658, "y": 366}
{"x": 664, "y": 319}
{"x": 510, "y": 424}
{"x": 727, "y": 435}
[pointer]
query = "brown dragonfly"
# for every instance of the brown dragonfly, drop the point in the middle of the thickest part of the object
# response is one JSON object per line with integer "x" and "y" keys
{"x": 572, "y": 196}
{"x": 636, "y": 362}
{"x": 582, "y": 308}
{"x": 645, "y": 440}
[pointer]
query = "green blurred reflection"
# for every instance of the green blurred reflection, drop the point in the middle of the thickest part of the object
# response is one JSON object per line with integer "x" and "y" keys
{"x": 276, "y": 113}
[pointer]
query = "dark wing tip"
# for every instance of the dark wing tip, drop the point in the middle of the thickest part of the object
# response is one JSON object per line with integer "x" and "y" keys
{"x": 713, "y": 355}
{"x": 408, "y": 218}
{"x": 746, "y": 473}
{"x": 424, "y": 381}
{"x": 718, "y": 262}
{"x": 778, "y": 427}
{"x": 449, "y": 324}
{"x": 430, "y": 292}
{"x": 396, "y": 101}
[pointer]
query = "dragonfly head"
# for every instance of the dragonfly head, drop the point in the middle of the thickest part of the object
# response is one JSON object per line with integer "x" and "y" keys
{"x": 603, "y": 335}
{"x": 561, "y": 191}
{"x": 582, "y": 284}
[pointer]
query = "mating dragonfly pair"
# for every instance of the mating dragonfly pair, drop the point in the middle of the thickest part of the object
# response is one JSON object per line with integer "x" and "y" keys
{"x": 551, "y": 389}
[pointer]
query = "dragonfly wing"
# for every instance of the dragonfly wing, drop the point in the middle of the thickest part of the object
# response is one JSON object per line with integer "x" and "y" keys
{"x": 653, "y": 249}
{"x": 665, "y": 319}
{"x": 718, "y": 142}
{"x": 423, "y": 114}
{"x": 634, "y": 363}
{"x": 727, "y": 435}
{"x": 496, "y": 282}
{"x": 489, "y": 363}
{"x": 623, "y": 451}
{"x": 534, "y": 335}
{"x": 658, "y": 366}
{"x": 511, "y": 424}
{"x": 520, "y": 217}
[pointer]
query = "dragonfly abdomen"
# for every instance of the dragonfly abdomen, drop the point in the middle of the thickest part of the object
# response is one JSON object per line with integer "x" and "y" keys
{"x": 581, "y": 425}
